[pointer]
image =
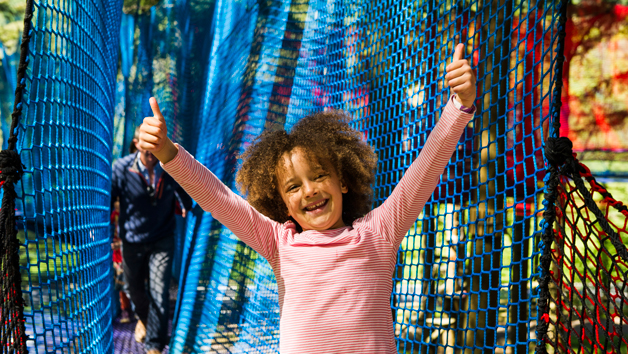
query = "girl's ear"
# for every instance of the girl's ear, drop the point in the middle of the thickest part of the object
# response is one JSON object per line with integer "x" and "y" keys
{"x": 343, "y": 187}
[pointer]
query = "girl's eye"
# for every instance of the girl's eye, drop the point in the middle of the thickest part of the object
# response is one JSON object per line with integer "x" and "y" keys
{"x": 292, "y": 188}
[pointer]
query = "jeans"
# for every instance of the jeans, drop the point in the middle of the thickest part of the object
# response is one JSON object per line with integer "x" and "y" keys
{"x": 147, "y": 271}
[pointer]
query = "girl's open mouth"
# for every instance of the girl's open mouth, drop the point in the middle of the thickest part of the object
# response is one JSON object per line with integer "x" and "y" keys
{"x": 316, "y": 207}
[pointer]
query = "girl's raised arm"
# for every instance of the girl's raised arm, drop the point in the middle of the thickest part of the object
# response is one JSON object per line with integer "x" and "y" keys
{"x": 255, "y": 229}
{"x": 399, "y": 212}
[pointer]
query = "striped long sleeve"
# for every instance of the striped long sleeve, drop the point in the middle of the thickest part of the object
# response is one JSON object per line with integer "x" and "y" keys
{"x": 255, "y": 229}
{"x": 334, "y": 285}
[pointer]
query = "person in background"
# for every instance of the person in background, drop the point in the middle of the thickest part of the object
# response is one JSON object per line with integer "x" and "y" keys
{"x": 148, "y": 200}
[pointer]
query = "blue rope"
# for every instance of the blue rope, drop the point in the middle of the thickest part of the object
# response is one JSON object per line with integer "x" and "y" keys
{"x": 226, "y": 71}
{"x": 65, "y": 141}
{"x": 383, "y": 63}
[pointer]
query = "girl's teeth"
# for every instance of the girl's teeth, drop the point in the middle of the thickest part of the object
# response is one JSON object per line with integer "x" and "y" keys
{"x": 315, "y": 206}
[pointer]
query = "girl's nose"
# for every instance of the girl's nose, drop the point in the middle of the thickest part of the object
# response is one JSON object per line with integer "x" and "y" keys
{"x": 310, "y": 189}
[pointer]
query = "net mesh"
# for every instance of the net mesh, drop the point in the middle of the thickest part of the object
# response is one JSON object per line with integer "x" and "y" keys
{"x": 467, "y": 270}
{"x": 589, "y": 269}
{"x": 64, "y": 140}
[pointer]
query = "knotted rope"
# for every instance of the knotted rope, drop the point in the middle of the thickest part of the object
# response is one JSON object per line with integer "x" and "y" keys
{"x": 12, "y": 330}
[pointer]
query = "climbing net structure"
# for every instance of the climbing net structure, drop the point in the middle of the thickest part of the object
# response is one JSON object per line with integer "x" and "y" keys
{"x": 481, "y": 269}
{"x": 585, "y": 261}
{"x": 63, "y": 121}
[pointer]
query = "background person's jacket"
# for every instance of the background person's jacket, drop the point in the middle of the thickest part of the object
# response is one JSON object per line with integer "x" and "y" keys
{"x": 146, "y": 214}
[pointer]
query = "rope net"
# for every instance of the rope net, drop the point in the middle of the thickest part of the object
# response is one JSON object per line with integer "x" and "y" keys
{"x": 66, "y": 98}
{"x": 589, "y": 267}
{"x": 466, "y": 272}
{"x": 223, "y": 72}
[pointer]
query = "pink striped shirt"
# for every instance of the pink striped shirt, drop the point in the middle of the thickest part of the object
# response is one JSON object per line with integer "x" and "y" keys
{"x": 334, "y": 285}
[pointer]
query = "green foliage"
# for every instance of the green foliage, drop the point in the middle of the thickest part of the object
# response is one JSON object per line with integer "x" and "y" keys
{"x": 10, "y": 34}
{"x": 612, "y": 2}
{"x": 11, "y": 23}
{"x": 11, "y": 9}
{"x": 132, "y": 7}
{"x": 597, "y": 81}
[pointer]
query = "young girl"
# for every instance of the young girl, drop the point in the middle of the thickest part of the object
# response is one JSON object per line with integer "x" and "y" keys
{"x": 308, "y": 195}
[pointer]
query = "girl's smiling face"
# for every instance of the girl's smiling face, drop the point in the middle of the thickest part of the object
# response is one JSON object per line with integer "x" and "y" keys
{"x": 312, "y": 192}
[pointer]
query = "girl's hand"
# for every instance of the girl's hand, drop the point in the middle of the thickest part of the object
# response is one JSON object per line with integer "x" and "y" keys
{"x": 461, "y": 78}
{"x": 154, "y": 135}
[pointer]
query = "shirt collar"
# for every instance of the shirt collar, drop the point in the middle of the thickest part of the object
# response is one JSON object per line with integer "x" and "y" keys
{"x": 140, "y": 168}
{"x": 143, "y": 169}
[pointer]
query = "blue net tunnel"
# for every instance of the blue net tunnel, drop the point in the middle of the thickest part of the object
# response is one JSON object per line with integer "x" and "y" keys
{"x": 225, "y": 71}
{"x": 65, "y": 139}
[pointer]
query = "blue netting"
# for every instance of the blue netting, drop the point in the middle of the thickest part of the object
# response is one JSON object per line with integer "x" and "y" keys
{"x": 465, "y": 271}
{"x": 64, "y": 139}
{"x": 223, "y": 72}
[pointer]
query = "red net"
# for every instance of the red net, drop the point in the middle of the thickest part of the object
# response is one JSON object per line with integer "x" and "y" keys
{"x": 589, "y": 270}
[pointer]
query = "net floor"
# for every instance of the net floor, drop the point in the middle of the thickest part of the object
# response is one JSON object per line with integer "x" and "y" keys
{"x": 124, "y": 333}
{"x": 124, "y": 339}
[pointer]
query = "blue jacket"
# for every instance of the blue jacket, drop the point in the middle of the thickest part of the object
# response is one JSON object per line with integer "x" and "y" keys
{"x": 145, "y": 217}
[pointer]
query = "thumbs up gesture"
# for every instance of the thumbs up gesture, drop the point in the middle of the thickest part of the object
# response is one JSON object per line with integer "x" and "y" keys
{"x": 460, "y": 78}
{"x": 154, "y": 135}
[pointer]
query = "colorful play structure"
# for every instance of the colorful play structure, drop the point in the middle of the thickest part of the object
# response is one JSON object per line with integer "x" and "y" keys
{"x": 518, "y": 250}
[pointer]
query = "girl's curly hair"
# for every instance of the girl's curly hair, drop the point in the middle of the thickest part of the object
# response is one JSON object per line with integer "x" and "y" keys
{"x": 324, "y": 136}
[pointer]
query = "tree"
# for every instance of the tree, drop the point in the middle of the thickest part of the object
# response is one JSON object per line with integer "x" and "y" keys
{"x": 588, "y": 24}
{"x": 138, "y": 6}
{"x": 11, "y": 24}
